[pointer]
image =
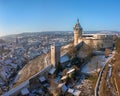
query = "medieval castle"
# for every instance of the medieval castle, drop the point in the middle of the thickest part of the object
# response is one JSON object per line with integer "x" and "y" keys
{"x": 94, "y": 40}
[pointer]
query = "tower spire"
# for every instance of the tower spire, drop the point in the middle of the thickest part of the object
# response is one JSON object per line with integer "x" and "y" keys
{"x": 78, "y": 21}
{"x": 77, "y": 25}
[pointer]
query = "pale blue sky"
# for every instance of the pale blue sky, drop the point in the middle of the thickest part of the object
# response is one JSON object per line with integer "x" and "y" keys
{"x": 17, "y": 16}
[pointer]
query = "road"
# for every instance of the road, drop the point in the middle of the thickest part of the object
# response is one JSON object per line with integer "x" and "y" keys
{"x": 97, "y": 88}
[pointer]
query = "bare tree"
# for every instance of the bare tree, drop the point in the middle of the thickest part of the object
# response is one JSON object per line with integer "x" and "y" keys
{"x": 117, "y": 45}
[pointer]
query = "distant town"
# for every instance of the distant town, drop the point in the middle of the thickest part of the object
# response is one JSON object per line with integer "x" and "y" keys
{"x": 16, "y": 50}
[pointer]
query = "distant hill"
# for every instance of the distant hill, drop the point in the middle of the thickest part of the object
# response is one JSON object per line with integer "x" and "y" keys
{"x": 2, "y": 41}
{"x": 102, "y": 32}
{"x": 57, "y": 32}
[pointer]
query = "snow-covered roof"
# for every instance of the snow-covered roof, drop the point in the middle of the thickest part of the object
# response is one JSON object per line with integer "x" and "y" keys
{"x": 71, "y": 70}
{"x": 57, "y": 79}
{"x": 13, "y": 65}
{"x": 60, "y": 73}
{"x": 64, "y": 88}
{"x": 52, "y": 70}
{"x": 64, "y": 58}
{"x": 8, "y": 61}
{"x": 24, "y": 91}
{"x": 70, "y": 90}
{"x": 74, "y": 92}
{"x": 42, "y": 79}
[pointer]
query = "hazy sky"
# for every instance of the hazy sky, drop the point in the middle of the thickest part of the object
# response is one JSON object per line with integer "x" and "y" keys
{"x": 17, "y": 16}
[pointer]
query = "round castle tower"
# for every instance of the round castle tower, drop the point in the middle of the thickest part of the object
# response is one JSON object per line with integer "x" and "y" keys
{"x": 77, "y": 32}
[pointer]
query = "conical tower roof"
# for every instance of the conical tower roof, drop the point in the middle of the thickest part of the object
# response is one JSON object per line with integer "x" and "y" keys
{"x": 77, "y": 25}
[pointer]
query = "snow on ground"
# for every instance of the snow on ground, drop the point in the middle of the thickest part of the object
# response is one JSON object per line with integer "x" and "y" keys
{"x": 31, "y": 68}
{"x": 95, "y": 64}
{"x": 1, "y": 82}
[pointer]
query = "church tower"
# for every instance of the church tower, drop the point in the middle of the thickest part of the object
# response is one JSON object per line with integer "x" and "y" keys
{"x": 77, "y": 32}
{"x": 55, "y": 54}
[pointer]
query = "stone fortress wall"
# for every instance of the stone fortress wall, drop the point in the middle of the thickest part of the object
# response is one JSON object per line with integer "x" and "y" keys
{"x": 98, "y": 40}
